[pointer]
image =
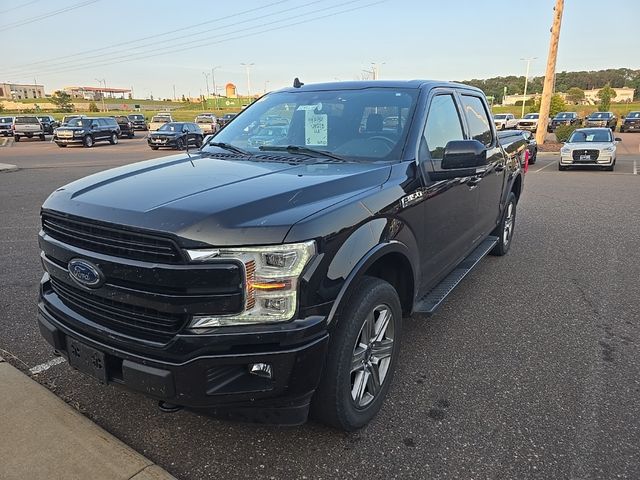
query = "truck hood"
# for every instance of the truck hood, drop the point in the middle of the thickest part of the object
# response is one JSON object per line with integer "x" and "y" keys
{"x": 216, "y": 201}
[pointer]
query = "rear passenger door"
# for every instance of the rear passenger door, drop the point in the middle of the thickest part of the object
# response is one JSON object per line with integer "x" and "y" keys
{"x": 489, "y": 179}
{"x": 450, "y": 208}
{"x": 104, "y": 129}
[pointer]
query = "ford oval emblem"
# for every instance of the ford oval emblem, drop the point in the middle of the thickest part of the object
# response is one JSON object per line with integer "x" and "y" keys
{"x": 85, "y": 273}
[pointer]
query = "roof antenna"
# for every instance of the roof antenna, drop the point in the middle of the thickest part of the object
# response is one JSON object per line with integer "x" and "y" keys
{"x": 297, "y": 83}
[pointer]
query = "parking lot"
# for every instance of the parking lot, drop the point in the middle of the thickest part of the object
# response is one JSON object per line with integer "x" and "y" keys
{"x": 530, "y": 370}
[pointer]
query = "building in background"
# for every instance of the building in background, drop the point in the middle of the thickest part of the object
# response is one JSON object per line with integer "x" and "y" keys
{"x": 19, "y": 91}
{"x": 512, "y": 99}
{"x": 230, "y": 90}
{"x": 97, "y": 93}
{"x": 622, "y": 95}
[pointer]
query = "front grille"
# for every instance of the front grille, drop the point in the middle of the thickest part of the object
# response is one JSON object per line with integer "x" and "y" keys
{"x": 110, "y": 240}
{"x": 120, "y": 317}
{"x": 593, "y": 154}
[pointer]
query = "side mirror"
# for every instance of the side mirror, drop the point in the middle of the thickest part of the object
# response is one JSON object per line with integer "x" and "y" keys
{"x": 618, "y": 139}
{"x": 463, "y": 154}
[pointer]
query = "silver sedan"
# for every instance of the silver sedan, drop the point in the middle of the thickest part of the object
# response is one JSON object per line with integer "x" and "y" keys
{"x": 589, "y": 146}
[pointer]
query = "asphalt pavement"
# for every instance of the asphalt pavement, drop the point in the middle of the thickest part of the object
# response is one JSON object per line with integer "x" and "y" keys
{"x": 530, "y": 370}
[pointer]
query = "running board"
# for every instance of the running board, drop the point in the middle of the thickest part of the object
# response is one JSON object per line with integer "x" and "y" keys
{"x": 432, "y": 300}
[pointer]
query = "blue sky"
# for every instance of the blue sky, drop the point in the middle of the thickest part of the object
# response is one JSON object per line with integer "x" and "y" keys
{"x": 449, "y": 40}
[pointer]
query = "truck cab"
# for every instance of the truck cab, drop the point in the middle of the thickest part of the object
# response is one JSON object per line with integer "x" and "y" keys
{"x": 269, "y": 281}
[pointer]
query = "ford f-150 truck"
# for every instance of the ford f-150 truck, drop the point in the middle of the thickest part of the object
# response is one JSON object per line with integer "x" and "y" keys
{"x": 264, "y": 282}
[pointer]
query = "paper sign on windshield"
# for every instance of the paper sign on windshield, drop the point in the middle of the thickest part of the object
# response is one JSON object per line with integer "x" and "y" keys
{"x": 315, "y": 128}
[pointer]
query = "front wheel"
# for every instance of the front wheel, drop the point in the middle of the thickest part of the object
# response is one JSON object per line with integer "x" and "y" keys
{"x": 16, "y": 138}
{"x": 179, "y": 144}
{"x": 113, "y": 139}
{"x": 88, "y": 141}
{"x": 362, "y": 356}
{"x": 504, "y": 231}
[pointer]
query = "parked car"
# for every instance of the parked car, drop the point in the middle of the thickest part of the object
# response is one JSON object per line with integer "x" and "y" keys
{"x": 273, "y": 280}
{"x": 158, "y": 120}
{"x": 589, "y": 147}
{"x": 27, "y": 126}
{"x": 268, "y": 136}
{"x": 505, "y": 121}
{"x": 87, "y": 131}
{"x": 630, "y": 122}
{"x": 48, "y": 123}
{"x": 516, "y": 145}
{"x": 126, "y": 126}
{"x": 67, "y": 118}
{"x": 529, "y": 122}
{"x": 176, "y": 135}
{"x": 208, "y": 123}
{"x": 6, "y": 126}
{"x": 564, "y": 118}
{"x": 138, "y": 121}
{"x": 225, "y": 119}
{"x": 602, "y": 119}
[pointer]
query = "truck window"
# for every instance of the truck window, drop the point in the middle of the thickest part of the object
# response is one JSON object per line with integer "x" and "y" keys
{"x": 443, "y": 125}
{"x": 478, "y": 119}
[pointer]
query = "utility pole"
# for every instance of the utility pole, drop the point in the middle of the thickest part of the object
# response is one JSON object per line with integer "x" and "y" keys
{"x": 174, "y": 92}
{"x": 549, "y": 76}
{"x": 104, "y": 109}
{"x": 248, "y": 67}
{"x": 215, "y": 89}
{"x": 206, "y": 79}
{"x": 375, "y": 69}
{"x": 526, "y": 81}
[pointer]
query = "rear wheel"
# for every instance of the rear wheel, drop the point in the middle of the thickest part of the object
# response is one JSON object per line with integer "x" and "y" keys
{"x": 42, "y": 138}
{"x": 113, "y": 139}
{"x": 198, "y": 142}
{"x": 362, "y": 356}
{"x": 504, "y": 231}
{"x": 179, "y": 144}
{"x": 16, "y": 138}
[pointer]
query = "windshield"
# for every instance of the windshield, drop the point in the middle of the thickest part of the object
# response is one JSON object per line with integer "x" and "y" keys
{"x": 204, "y": 120}
{"x": 136, "y": 117}
{"x": 171, "y": 127}
{"x": 633, "y": 115}
{"x": 603, "y": 135}
{"x": 6, "y": 120}
{"x": 531, "y": 115}
{"x": 158, "y": 119}
{"x": 44, "y": 119}
{"x": 500, "y": 117}
{"x": 347, "y": 123}
{"x": 565, "y": 115}
{"x": 600, "y": 115}
{"x": 78, "y": 122}
{"x": 26, "y": 120}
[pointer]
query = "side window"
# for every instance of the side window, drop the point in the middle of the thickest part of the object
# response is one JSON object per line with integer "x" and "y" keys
{"x": 478, "y": 119}
{"x": 443, "y": 125}
{"x": 102, "y": 122}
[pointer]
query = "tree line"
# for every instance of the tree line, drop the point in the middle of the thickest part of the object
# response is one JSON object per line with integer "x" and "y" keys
{"x": 584, "y": 80}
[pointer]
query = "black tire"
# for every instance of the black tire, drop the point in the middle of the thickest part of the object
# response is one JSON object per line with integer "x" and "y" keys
{"x": 131, "y": 135}
{"x": 154, "y": 148}
{"x": 42, "y": 138}
{"x": 333, "y": 403}
{"x": 198, "y": 142}
{"x": 61, "y": 145}
{"x": 561, "y": 168}
{"x": 16, "y": 138}
{"x": 508, "y": 219}
{"x": 534, "y": 157}
{"x": 113, "y": 139}
{"x": 88, "y": 141}
{"x": 179, "y": 144}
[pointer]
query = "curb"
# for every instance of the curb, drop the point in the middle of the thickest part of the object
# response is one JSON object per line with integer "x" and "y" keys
{"x": 45, "y": 438}
{"x": 7, "y": 167}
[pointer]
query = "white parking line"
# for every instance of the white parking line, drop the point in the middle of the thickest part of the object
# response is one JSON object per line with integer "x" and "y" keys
{"x": 547, "y": 165}
{"x": 635, "y": 167}
{"x": 46, "y": 365}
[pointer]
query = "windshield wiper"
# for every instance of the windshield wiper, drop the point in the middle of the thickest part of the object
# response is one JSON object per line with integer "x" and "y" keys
{"x": 228, "y": 146}
{"x": 299, "y": 150}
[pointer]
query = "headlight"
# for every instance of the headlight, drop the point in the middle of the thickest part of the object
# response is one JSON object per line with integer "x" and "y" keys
{"x": 565, "y": 150}
{"x": 78, "y": 132}
{"x": 271, "y": 281}
{"x": 608, "y": 149}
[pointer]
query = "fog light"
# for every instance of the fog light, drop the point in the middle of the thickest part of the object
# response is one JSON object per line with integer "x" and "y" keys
{"x": 263, "y": 370}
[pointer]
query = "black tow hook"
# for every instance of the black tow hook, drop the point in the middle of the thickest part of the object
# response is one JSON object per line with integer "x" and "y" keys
{"x": 167, "y": 407}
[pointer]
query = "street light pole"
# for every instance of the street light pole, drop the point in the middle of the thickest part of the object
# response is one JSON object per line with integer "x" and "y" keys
{"x": 526, "y": 80}
{"x": 104, "y": 109}
{"x": 376, "y": 69}
{"x": 248, "y": 66}
{"x": 206, "y": 79}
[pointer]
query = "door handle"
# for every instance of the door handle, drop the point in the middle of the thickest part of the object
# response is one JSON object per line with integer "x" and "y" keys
{"x": 499, "y": 167}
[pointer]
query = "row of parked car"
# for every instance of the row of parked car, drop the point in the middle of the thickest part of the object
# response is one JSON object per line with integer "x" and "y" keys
{"x": 630, "y": 122}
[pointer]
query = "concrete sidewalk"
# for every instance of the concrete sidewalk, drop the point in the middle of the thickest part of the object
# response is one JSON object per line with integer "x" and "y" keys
{"x": 41, "y": 437}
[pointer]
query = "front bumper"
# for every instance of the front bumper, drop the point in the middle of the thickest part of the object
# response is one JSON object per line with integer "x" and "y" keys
{"x": 630, "y": 127}
{"x": 605, "y": 159}
{"x": 139, "y": 126}
{"x": 68, "y": 140}
{"x": 166, "y": 143}
{"x": 209, "y": 370}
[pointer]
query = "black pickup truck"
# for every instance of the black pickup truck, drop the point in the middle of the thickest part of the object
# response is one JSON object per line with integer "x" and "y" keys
{"x": 266, "y": 282}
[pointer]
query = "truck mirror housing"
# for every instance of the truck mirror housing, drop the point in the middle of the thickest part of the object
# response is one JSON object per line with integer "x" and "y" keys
{"x": 464, "y": 154}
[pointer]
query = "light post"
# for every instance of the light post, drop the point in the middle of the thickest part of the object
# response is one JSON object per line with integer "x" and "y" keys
{"x": 526, "y": 81}
{"x": 213, "y": 81}
{"x": 206, "y": 79}
{"x": 265, "y": 86}
{"x": 248, "y": 66}
{"x": 375, "y": 68}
